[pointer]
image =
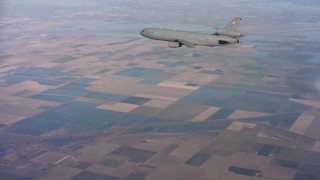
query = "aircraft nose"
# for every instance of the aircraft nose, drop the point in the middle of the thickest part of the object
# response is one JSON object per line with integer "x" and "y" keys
{"x": 143, "y": 32}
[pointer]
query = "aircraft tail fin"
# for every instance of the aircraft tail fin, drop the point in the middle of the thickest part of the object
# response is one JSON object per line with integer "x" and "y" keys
{"x": 230, "y": 29}
{"x": 233, "y": 24}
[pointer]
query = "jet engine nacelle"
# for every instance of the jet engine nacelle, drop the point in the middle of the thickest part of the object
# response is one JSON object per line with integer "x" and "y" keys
{"x": 230, "y": 33}
{"x": 174, "y": 44}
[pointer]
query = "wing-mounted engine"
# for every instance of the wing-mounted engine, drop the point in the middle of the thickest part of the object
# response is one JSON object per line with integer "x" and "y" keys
{"x": 229, "y": 32}
{"x": 174, "y": 44}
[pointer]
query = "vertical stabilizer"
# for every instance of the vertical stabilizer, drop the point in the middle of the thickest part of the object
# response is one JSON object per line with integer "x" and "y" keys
{"x": 233, "y": 24}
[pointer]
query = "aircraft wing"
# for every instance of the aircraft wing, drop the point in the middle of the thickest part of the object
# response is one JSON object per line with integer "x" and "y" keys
{"x": 187, "y": 43}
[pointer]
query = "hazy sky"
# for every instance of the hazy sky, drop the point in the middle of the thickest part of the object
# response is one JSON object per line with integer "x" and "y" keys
{"x": 203, "y": 12}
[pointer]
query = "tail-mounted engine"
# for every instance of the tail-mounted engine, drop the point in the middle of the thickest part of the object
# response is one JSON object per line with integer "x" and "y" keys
{"x": 230, "y": 33}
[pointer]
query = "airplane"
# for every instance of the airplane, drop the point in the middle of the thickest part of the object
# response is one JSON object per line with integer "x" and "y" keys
{"x": 176, "y": 38}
